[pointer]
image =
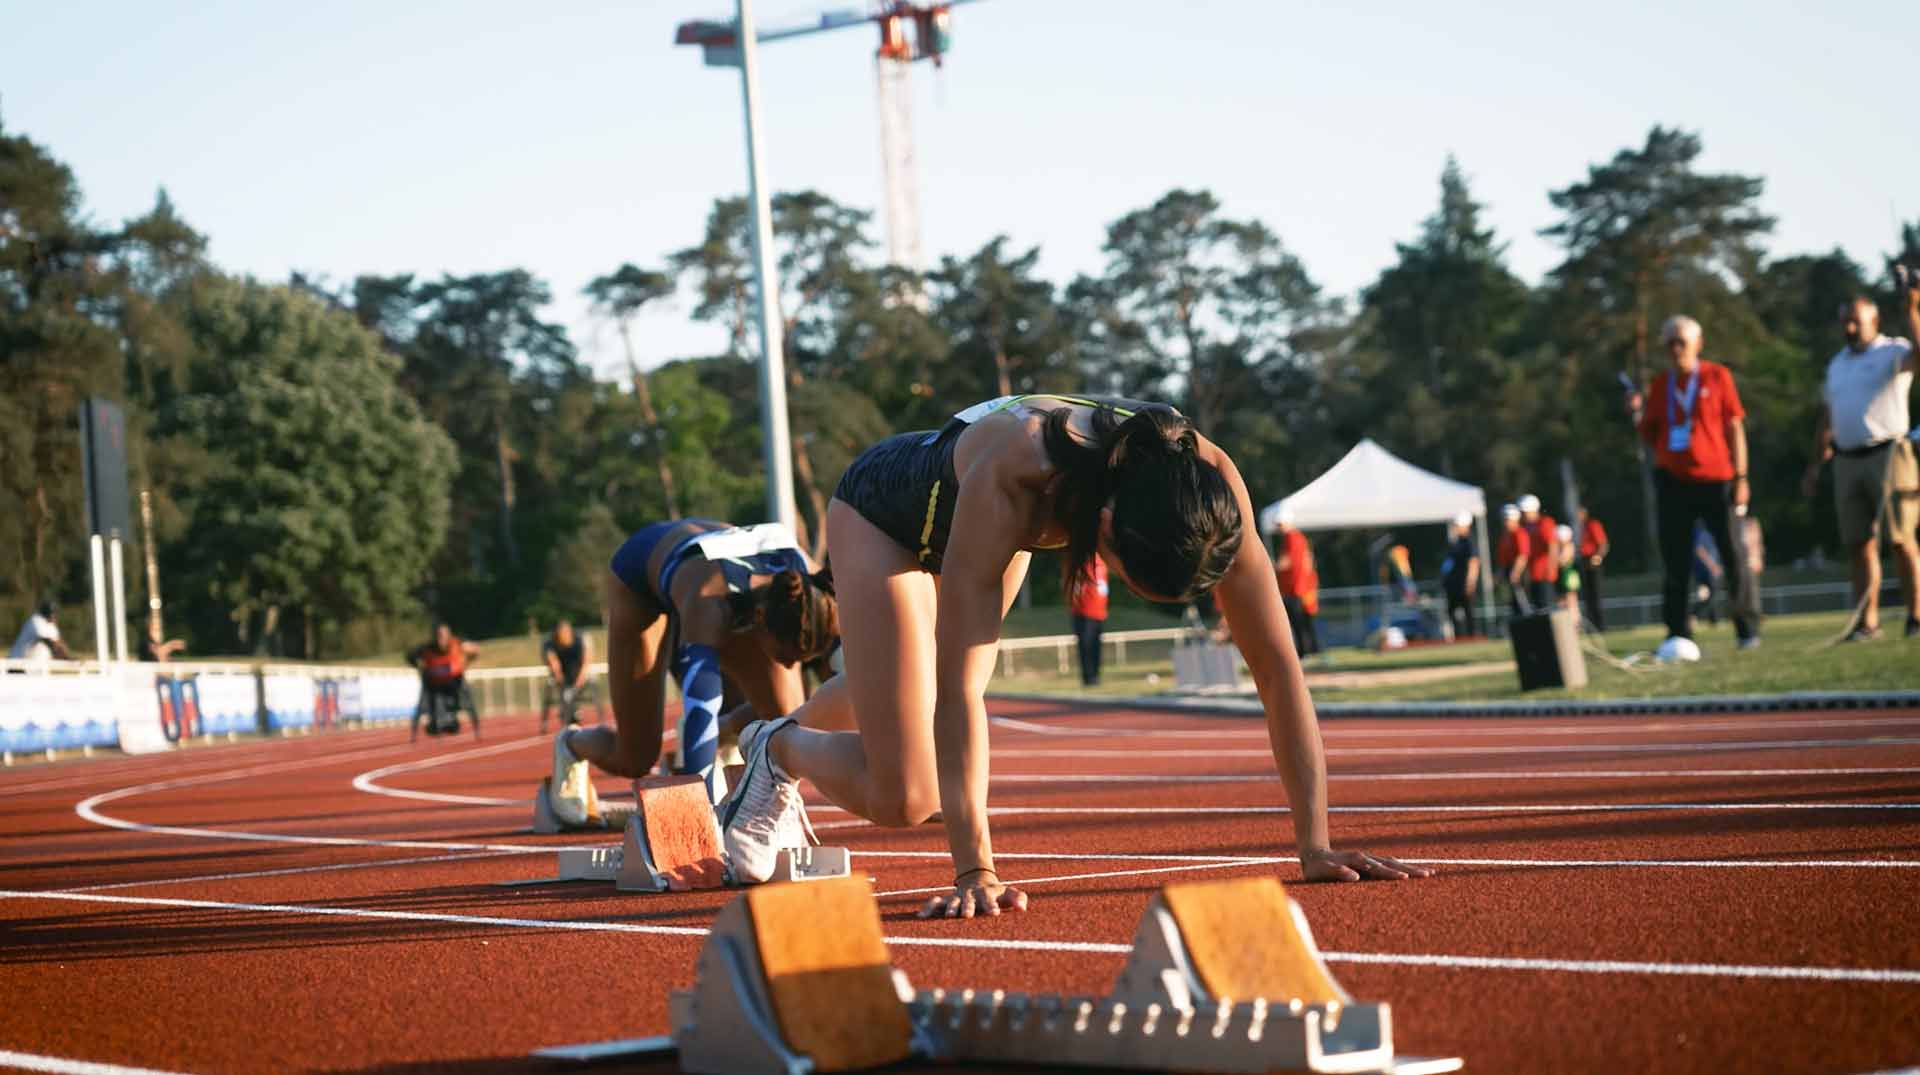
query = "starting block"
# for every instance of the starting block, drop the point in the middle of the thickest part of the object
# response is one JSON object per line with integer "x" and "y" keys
{"x": 1223, "y": 977}
{"x": 672, "y": 843}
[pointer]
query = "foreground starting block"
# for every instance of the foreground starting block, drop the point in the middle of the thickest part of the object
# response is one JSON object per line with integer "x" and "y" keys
{"x": 1224, "y": 977}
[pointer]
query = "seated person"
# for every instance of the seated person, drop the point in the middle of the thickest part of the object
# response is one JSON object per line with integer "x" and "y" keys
{"x": 443, "y": 682}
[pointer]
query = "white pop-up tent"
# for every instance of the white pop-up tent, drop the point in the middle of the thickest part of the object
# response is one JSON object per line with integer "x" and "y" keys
{"x": 1371, "y": 486}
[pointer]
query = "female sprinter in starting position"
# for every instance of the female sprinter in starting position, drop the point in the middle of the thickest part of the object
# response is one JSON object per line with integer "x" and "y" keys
{"x": 704, "y": 599}
{"x": 929, "y": 536}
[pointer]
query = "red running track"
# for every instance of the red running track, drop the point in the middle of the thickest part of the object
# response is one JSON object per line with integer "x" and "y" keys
{"x": 1624, "y": 894}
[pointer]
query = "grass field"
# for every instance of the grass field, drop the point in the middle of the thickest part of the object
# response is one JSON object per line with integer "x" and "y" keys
{"x": 1793, "y": 657}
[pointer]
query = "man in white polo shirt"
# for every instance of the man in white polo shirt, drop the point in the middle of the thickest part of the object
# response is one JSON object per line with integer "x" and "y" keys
{"x": 1863, "y": 429}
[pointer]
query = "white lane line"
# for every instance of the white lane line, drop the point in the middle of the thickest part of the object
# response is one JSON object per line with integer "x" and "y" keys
{"x": 1877, "y": 976}
{"x": 1709, "y": 746}
{"x": 291, "y": 870}
{"x": 1680, "y": 864}
{"x": 1416, "y": 808}
{"x": 369, "y": 781}
{"x": 1874, "y": 976}
{"x": 89, "y": 810}
{"x": 63, "y": 1066}
{"x": 1016, "y": 882}
{"x": 1444, "y": 727}
{"x": 1456, "y": 774}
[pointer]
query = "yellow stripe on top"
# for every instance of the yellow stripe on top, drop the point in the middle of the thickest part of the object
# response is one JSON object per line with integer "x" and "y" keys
{"x": 926, "y": 532}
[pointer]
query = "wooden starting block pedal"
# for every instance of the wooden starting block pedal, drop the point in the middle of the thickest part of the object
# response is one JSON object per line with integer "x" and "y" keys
{"x": 1224, "y": 977}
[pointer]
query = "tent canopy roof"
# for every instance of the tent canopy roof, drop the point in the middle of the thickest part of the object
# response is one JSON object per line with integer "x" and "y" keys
{"x": 1371, "y": 486}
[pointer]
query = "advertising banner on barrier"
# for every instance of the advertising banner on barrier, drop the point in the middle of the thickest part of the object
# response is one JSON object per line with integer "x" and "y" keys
{"x": 140, "y": 730}
{"x": 58, "y": 712}
{"x": 289, "y": 699}
{"x": 229, "y": 702}
{"x": 387, "y": 696}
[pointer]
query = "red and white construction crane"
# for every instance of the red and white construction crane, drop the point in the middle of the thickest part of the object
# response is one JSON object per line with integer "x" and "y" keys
{"x": 909, "y": 32}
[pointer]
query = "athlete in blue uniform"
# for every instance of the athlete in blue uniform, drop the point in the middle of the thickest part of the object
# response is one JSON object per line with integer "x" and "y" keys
{"x": 699, "y": 599}
{"x": 930, "y": 535}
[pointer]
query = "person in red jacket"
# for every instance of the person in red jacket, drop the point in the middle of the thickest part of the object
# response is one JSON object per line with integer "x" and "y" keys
{"x": 1299, "y": 586}
{"x": 1511, "y": 559}
{"x": 1696, "y": 429}
{"x": 1594, "y": 547}
{"x": 1543, "y": 552}
{"x": 1090, "y": 618}
{"x": 443, "y": 682}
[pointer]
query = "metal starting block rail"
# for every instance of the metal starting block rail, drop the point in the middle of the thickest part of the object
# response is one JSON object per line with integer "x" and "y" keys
{"x": 1224, "y": 977}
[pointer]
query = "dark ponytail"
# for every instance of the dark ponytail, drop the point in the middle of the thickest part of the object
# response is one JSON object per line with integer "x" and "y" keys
{"x": 1176, "y": 522}
{"x": 799, "y": 611}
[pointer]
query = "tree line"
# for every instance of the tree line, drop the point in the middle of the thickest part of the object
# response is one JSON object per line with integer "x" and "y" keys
{"x": 331, "y": 463}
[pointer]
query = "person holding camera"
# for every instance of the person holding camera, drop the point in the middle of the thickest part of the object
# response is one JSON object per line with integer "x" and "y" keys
{"x": 1696, "y": 429}
{"x": 1863, "y": 429}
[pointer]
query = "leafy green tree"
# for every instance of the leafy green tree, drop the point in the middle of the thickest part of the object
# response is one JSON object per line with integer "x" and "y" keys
{"x": 619, "y": 296}
{"x": 579, "y": 566}
{"x": 1447, "y": 313}
{"x": 56, "y": 349}
{"x": 1192, "y": 302}
{"x": 1646, "y": 235}
{"x": 1008, "y": 331}
{"x": 316, "y": 484}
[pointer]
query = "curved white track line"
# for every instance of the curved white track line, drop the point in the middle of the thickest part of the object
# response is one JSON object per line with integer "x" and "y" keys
{"x": 63, "y": 1066}
{"x": 369, "y": 781}
{"x": 1863, "y": 975}
{"x": 89, "y": 809}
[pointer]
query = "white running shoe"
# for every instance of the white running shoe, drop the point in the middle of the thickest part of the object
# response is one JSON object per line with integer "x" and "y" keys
{"x": 571, "y": 790}
{"x": 765, "y": 814}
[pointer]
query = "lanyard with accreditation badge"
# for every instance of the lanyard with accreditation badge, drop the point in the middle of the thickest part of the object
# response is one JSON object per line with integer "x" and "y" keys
{"x": 1680, "y": 427}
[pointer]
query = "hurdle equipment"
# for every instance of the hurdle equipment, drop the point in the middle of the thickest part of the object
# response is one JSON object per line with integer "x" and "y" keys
{"x": 1224, "y": 977}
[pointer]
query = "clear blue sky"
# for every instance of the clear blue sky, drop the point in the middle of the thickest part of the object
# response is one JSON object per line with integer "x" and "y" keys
{"x": 377, "y": 137}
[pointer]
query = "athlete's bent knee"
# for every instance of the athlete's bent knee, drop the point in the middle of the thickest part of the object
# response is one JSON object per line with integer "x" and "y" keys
{"x": 903, "y": 807}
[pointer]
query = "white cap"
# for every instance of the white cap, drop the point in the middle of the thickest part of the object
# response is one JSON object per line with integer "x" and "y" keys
{"x": 1284, "y": 516}
{"x": 1509, "y": 512}
{"x": 1529, "y": 503}
{"x": 1463, "y": 520}
{"x": 1563, "y": 534}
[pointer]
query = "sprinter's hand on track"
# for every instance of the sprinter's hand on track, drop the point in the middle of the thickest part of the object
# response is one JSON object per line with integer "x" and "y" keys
{"x": 1326, "y": 864}
{"x": 978, "y": 894}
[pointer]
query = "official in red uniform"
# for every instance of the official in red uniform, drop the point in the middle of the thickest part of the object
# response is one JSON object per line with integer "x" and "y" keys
{"x": 1299, "y": 586}
{"x": 1593, "y": 553}
{"x": 1692, "y": 420}
{"x": 1543, "y": 552}
{"x": 1090, "y": 618}
{"x": 1511, "y": 558}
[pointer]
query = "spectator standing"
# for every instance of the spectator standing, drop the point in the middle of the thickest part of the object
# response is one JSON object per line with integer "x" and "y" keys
{"x": 1692, "y": 420}
{"x": 1543, "y": 552}
{"x": 155, "y": 651}
{"x": 1396, "y": 570}
{"x": 1511, "y": 559}
{"x": 1460, "y": 575}
{"x": 568, "y": 656}
{"x": 1863, "y": 429}
{"x": 1594, "y": 548}
{"x": 39, "y": 637}
{"x": 1299, "y": 586}
{"x": 1567, "y": 579}
{"x": 1090, "y": 618}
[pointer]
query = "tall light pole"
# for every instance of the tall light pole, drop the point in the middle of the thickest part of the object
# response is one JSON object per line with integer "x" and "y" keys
{"x": 778, "y": 441}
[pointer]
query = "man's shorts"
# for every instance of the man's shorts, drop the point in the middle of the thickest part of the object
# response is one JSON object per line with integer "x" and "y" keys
{"x": 1860, "y": 490}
